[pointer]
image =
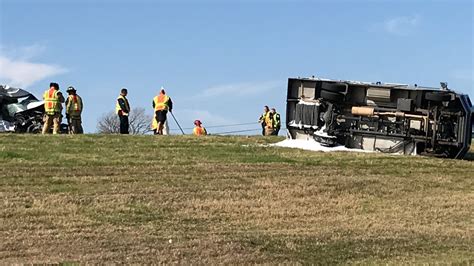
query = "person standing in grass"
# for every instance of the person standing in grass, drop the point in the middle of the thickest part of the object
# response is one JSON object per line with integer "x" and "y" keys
{"x": 161, "y": 104}
{"x": 276, "y": 121}
{"x": 263, "y": 118}
{"x": 199, "y": 130}
{"x": 74, "y": 107}
{"x": 122, "y": 108}
{"x": 53, "y": 99}
{"x": 269, "y": 124}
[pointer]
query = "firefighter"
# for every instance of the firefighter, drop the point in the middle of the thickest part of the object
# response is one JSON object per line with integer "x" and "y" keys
{"x": 263, "y": 118}
{"x": 276, "y": 122}
{"x": 74, "y": 107}
{"x": 199, "y": 130}
{"x": 53, "y": 99}
{"x": 122, "y": 108}
{"x": 161, "y": 104}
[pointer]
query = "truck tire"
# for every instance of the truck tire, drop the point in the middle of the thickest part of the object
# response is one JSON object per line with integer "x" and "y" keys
{"x": 332, "y": 96}
{"x": 333, "y": 87}
{"x": 437, "y": 96}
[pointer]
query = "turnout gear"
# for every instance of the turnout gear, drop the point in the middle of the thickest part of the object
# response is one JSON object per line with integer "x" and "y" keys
{"x": 52, "y": 107}
{"x": 74, "y": 105}
{"x": 74, "y": 108}
{"x": 51, "y": 120}
{"x": 52, "y": 102}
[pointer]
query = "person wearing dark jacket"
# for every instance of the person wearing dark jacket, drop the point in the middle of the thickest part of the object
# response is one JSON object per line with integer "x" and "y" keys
{"x": 276, "y": 121}
{"x": 122, "y": 108}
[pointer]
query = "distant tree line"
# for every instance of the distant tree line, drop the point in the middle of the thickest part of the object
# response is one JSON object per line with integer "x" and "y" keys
{"x": 140, "y": 122}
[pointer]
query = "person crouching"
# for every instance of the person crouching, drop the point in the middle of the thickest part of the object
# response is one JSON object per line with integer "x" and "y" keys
{"x": 199, "y": 130}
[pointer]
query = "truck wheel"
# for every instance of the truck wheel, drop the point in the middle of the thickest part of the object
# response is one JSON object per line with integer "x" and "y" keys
{"x": 332, "y": 96}
{"x": 437, "y": 96}
{"x": 333, "y": 87}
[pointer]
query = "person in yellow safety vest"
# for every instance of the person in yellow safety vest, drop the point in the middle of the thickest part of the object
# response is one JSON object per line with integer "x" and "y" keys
{"x": 161, "y": 104}
{"x": 276, "y": 121}
{"x": 199, "y": 130}
{"x": 74, "y": 107}
{"x": 52, "y": 107}
{"x": 269, "y": 127}
{"x": 263, "y": 118}
{"x": 122, "y": 108}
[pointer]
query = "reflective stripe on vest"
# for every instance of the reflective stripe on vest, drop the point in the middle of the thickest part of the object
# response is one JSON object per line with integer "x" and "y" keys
{"x": 276, "y": 119}
{"x": 51, "y": 101}
{"x": 161, "y": 102}
{"x": 117, "y": 105}
{"x": 74, "y": 104}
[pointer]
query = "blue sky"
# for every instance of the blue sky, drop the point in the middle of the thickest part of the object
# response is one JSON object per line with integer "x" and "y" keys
{"x": 221, "y": 61}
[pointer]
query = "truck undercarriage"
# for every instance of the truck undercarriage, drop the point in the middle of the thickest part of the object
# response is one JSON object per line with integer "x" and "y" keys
{"x": 391, "y": 118}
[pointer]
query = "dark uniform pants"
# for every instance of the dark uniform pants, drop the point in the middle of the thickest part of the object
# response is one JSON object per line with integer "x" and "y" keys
{"x": 123, "y": 124}
{"x": 75, "y": 125}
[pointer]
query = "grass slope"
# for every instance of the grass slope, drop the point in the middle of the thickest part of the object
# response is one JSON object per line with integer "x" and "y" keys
{"x": 227, "y": 200}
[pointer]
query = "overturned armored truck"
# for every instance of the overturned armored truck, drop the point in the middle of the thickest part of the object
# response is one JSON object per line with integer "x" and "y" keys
{"x": 391, "y": 118}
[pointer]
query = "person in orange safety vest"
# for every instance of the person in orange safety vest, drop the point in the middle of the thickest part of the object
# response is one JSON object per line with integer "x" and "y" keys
{"x": 53, "y": 99}
{"x": 161, "y": 104}
{"x": 199, "y": 130}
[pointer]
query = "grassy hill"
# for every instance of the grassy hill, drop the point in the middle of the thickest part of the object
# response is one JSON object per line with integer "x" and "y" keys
{"x": 227, "y": 200}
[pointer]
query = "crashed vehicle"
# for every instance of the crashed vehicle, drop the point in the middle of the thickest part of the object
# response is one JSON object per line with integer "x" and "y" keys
{"x": 20, "y": 111}
{"x": 384, "y": 117}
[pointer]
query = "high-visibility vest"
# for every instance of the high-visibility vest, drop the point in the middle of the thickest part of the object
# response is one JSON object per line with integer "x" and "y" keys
{"x": 269, "y": 120}
{"x": 161, "y": 102}
{"x": 263, "y": 116}
{"x": 117, "y": 105}
{"x": 74, "y": 105}
{"x": 199, "y": 131}
{"x": 276, "y": 120}
{"x": 154, "y": 123}
{"x": 51, "y": 102}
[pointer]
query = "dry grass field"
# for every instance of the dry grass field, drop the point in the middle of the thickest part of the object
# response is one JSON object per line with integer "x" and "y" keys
{"x": 232, "y": 200}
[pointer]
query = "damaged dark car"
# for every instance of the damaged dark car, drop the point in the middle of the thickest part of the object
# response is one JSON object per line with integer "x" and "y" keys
{"x": 384, "y": 117}
{"x": 20, "y": 111}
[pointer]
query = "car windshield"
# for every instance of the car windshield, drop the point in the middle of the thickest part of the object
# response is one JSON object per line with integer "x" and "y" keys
{"x": 21, "y": 105}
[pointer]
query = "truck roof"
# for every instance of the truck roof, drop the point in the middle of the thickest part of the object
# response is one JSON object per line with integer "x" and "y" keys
{"x": 373, "y": 84}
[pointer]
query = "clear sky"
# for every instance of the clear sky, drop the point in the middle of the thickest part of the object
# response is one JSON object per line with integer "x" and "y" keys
{"x": 221, "y": 61}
